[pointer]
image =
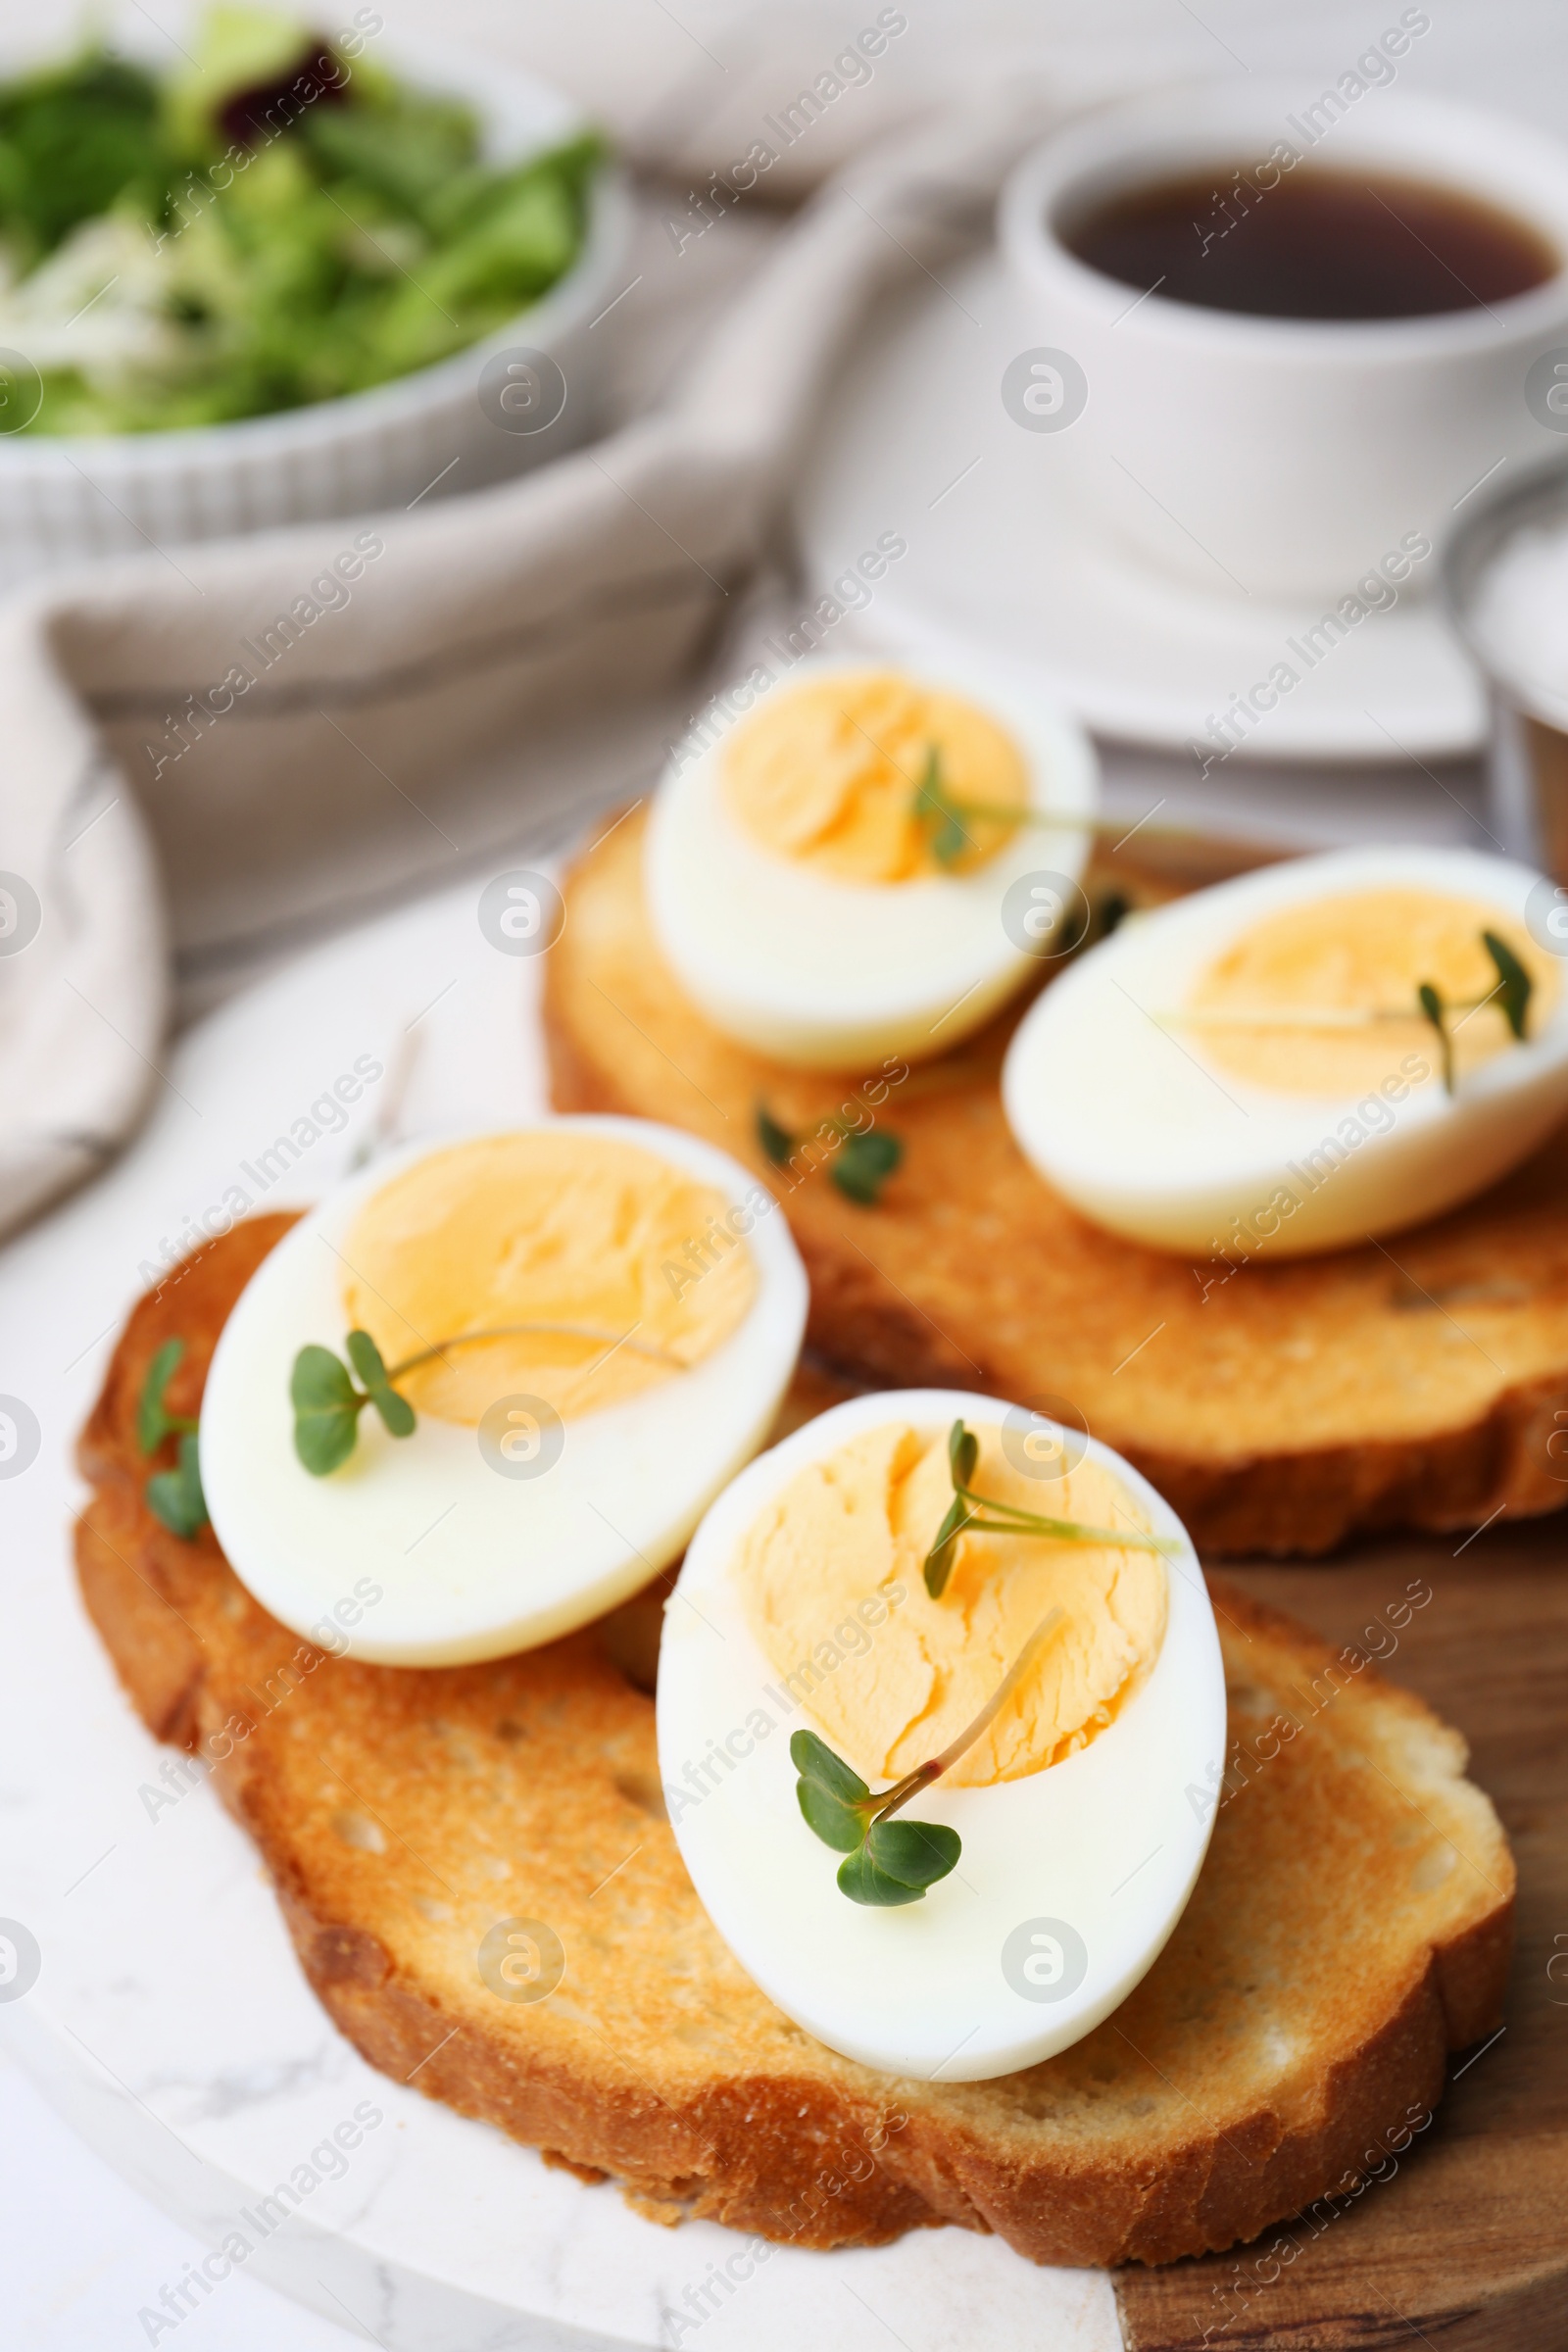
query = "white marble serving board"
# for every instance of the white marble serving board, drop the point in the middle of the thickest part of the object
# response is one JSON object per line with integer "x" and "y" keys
{"x": 169, "y": 2022}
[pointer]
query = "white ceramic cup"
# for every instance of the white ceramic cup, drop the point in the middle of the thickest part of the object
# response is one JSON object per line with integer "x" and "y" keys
{"x": 1276, "y": 456}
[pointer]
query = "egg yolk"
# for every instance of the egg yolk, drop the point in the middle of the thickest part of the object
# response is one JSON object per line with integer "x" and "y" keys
{"x": 828, "y": 775}
{"x": 831, "y": 1576}
{"x": 588, "y": 1244}
{"x": 1360, "y": 960}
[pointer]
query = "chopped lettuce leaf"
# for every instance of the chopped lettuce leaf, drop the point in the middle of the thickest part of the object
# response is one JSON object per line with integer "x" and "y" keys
{"x": 74, "y": 138}
{"x": 404, "y": 154}
{"x": 268, "y": 228}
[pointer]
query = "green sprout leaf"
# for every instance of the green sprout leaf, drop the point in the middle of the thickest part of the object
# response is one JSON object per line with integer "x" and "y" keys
{"x": 326, "y": 1409}
{"x": 886, "y": 1862}
{"x": 935, "y": 809}
{"x": 153, "y": 1423}
{"x": 839, "y": 1826}
{"x": 829, "y": 1793}
{"x": 1514, "y": 984}
{"x": 1431, "y": 1004}
{"x": 943, "y": 814}
{"x": 864, "y": 1159}
{"x": 776, "y": 1142}
{"x": 395, "y": 1410}
{"x": 988, "y": 1517}
{"x": 366, "y": 1358}
{"x": 939, "y": 1559}
{"x": 1511, "y": 993}
{"x": 913, "y": 1853}
{"x": 328, "y": 1406}
{"x": 175, "y": 1495}
{"x": 815, "y": 1761}
{"x": 860, "y": 1878}
{"x": 864, "y": 1165}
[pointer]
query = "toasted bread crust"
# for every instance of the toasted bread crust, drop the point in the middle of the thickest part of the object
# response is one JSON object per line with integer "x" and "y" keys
{"x": 1347, "y": 1928}
{"x": 1281, "y": 1408}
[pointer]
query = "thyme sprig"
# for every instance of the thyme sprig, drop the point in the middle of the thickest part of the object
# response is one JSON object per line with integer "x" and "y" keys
{"x": 328, "y": 1406}
{"x": 982, "y": 1514}
{"x": 888, "y": 1863}
{"x": 173, "y": 1496}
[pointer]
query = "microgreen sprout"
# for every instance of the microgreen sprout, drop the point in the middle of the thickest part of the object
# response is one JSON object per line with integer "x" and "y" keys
{"x": 173, "y": 1496}
{"x": 1511, "y": 994}
{"x": 864, "y": 1159}
{"x": 946, "y": 817}
{"x": 328, "y": 1406}
{"x": 1514, "y": 985}
{"x": 777, "y": 1142}
{"x": 970, "y": 1513}
{"x": 887, "y": 1862}
{"x": 937, "y": 809}
{"x": 1435, "y": 1010}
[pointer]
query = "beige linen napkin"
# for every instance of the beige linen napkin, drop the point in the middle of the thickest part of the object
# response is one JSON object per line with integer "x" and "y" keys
{"x": 231, "y": 743}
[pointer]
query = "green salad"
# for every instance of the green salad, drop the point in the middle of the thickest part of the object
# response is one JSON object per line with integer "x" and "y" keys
{"x": 277, "y": 221}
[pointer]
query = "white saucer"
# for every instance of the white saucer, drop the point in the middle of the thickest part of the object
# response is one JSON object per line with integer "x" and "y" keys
{"x": 914, "y": 440}
{"x": 170, "y": 2020}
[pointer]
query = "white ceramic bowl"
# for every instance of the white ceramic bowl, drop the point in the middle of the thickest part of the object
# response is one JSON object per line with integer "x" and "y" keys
{"x": 64, "y": 497}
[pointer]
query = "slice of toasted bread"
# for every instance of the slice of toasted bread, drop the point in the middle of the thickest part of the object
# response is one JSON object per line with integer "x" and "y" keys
{"x": 1422, "y": 1383}
{"x": 1350, "y": 1926}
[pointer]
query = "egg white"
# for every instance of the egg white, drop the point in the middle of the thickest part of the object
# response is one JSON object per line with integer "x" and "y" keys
{"x": 465, "y": 1563}
{"x": 826, "y": 973}
{"x": 1109, "y": 1841}
{"x": 1131, "y": 1124}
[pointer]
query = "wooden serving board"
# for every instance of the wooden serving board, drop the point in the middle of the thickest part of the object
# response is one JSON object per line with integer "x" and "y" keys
{"x": 1463, "y": 2244}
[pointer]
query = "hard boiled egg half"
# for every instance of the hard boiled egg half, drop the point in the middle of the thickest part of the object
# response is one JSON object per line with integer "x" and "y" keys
{"x": 855, "y": 867}
{"x": 590, "y": 1321}
{"x": 1315, "y": 1052}
{"x": 1082, "y": 1808}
